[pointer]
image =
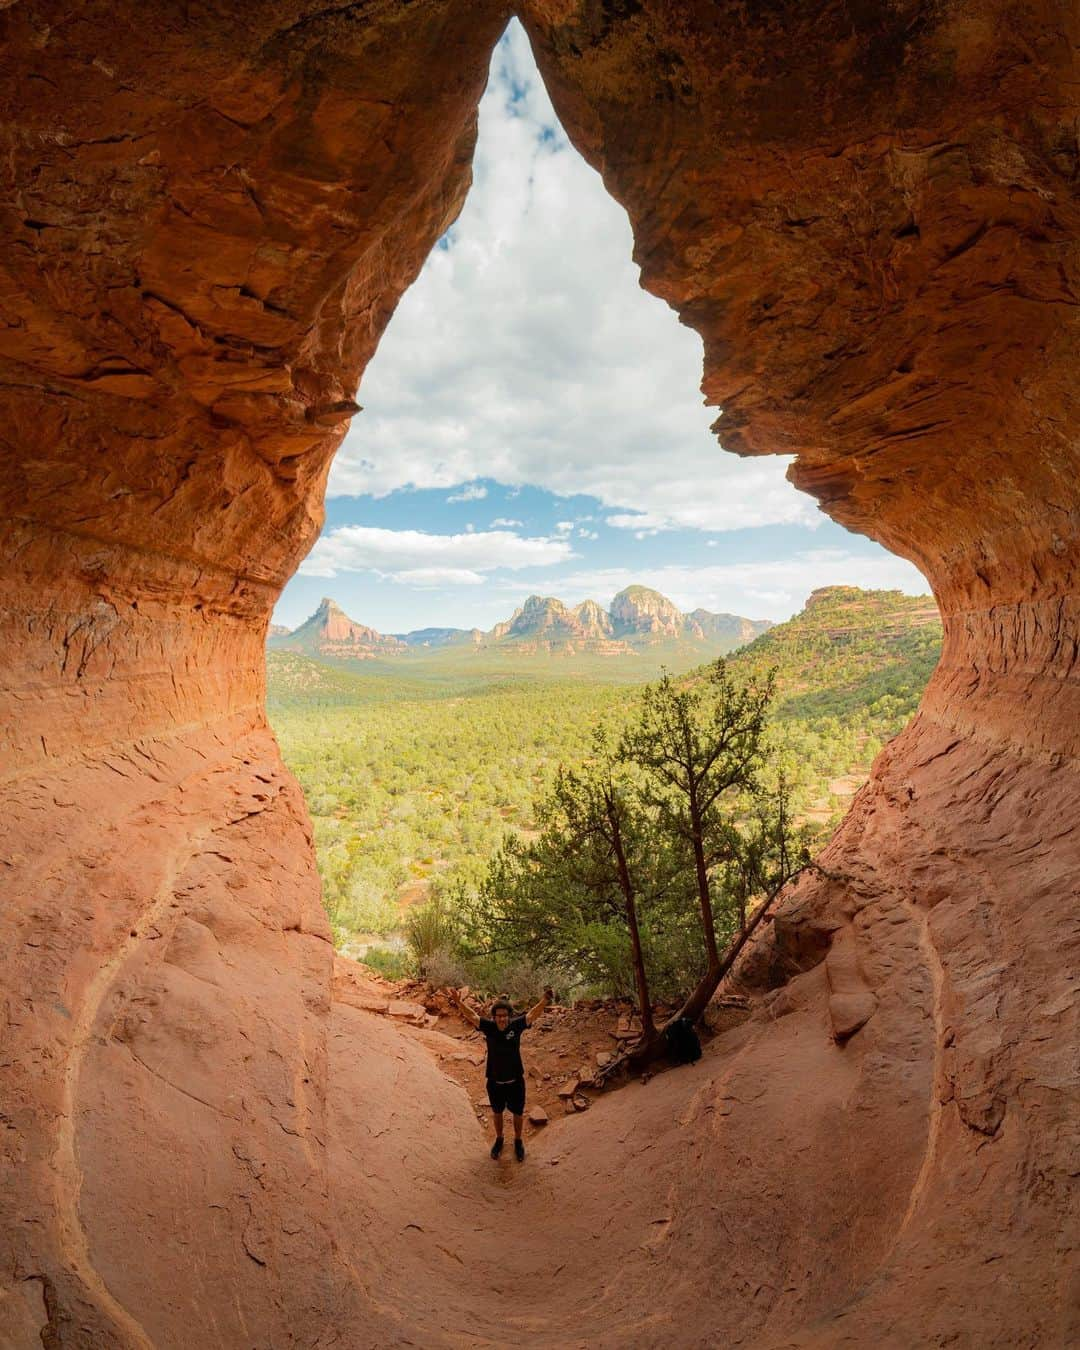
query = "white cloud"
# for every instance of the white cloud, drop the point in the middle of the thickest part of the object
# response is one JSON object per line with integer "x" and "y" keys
{"x": 564, "y": 526}
{"x": 431, "y": 578}
{"x": 502, "y": 522}
{"x": 473, "y": 492}
{"x": 527, "y": 352}
{"x": 757, "y": 590}
{"x": 407, "y": 555}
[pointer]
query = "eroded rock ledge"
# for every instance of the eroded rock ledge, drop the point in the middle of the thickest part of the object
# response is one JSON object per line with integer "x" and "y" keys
{"x": 869, "y": 214}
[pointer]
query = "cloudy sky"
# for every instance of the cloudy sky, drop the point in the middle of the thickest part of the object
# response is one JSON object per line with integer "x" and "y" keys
{"x": 533, "y": 422}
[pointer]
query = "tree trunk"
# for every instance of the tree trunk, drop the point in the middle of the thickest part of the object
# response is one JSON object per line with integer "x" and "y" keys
{"x": 698, "y": 1001}
{"x": 653, "y": 1047}
{"x": 704, "y": 898}
{"x": 648, "y": 1026}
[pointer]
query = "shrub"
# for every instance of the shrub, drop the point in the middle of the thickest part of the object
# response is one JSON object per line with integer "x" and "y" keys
{"x": 430, "y": 931}
{"x": 388, "y": 961}
{"x": 363, "y": 908}
{"x": 445, "y": 970}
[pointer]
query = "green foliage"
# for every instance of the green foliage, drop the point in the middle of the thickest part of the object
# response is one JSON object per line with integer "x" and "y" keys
{"x": 647, "y": 856}
{"x": 406, "y": 793}
{"x": 700, "y": 747}
{"x": 415, "y": 769}
{"x": 431, "y": 935}
{"x": 570, "y": 897}
{"x": 388, "y": 961}
{"x": 364, "y": 907}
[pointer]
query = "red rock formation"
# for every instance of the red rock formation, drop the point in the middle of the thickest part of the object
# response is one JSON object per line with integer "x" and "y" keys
{"x": 639, "y": 610}
{"x": 208, "y": 221}
{"x": 869, "y": 214}
{"x": 330, "y": 632}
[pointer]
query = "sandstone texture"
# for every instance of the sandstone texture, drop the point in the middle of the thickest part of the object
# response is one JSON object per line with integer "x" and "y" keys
{"x": 869, "y": 212}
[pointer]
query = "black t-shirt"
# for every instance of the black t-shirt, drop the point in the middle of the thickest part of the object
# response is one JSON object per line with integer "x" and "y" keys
{"x": 503, "y": 1049}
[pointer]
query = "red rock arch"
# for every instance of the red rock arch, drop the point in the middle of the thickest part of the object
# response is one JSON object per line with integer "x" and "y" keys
{"x": 869, "y": 214}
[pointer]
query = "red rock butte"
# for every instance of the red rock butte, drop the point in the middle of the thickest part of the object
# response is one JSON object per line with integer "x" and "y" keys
{"x": 869, "y": 213}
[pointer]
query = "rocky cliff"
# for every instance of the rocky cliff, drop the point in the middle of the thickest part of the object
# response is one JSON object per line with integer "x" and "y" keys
{"x": 727, "y": 627}
{"x": 869, "y": 214}
{"x": 639, "y": 610}
{"x": 594, "y": 620}
{"x": 329, "y": 632}
{"x": 637, "y": 616}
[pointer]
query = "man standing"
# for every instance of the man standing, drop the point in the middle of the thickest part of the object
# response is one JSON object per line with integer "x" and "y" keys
{"x": 505, "y": 1071}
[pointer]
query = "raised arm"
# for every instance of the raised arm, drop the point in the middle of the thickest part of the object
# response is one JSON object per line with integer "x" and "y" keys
{"x": 468, "y": 1013}
{"x": 534, "y": 1013}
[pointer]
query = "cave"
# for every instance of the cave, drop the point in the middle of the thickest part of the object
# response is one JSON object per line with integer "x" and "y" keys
{"x": 869, "y": 214}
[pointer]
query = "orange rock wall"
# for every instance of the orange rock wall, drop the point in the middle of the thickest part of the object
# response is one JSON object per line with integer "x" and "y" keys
{"x": 208, "y": 220}
{"x": 869, "y": 213}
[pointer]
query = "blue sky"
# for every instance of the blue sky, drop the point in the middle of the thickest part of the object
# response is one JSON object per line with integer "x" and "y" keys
{"x": 533, "y": 422}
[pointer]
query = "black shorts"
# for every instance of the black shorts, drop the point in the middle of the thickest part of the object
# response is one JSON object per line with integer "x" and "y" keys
{"x": 507, "y": 1096}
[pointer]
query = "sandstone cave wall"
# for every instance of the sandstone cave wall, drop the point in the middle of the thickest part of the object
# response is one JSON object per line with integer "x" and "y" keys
{"x": 869, "y": 213}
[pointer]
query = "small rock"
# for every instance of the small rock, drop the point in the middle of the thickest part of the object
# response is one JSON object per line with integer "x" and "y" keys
{"x": 603, "y": 1058}
{"x": 580, "y": 1103}
{"x": 568, "y": 1088}
{"x": 537, "y": 1115}
{"x": 850, "y": 1012}
{"x": 400, "y": 1007}
{"x": 371, "y": 1005}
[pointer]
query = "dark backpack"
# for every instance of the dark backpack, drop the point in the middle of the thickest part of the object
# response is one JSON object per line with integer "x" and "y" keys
{"x": 682, "y": 1041}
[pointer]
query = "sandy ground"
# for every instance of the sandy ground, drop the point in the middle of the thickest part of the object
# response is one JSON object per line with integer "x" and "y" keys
{"x": 656, "y": 1217}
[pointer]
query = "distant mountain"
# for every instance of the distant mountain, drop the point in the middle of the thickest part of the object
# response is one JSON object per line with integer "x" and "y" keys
{"x": 639, "y": 611}
{"x": 330, "y": 632}
{"x": 728, "y": 627}
{"x": 638, "y": 619}
{"x": 440, "y": 637}
{"x": 277, "y": 630}
{"x": 596, "y": 621}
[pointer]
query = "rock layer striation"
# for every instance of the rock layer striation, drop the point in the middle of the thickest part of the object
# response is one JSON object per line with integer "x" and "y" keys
{"x": 869, "y": 214}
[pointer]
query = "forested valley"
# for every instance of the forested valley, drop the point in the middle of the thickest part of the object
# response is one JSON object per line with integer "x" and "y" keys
{"x": 415, "y": 776}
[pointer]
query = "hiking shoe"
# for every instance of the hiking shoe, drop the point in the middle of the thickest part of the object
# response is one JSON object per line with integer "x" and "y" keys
{"x": 496, "y": 1148}
{"x": 519, "y": 1150}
